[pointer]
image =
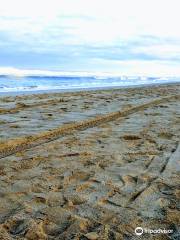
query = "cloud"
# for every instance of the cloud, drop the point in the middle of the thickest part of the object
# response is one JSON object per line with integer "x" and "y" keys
{"x": 164, "y": 51}
{"x": 71, "y": 34}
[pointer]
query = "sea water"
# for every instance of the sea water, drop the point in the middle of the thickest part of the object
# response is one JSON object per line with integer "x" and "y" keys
{"x": 46, "y": 83}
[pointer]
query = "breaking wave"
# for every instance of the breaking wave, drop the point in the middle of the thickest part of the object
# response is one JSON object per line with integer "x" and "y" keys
{"x": 46, "y": 83}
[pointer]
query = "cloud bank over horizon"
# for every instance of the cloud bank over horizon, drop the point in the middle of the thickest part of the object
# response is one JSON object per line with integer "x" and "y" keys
{"x": 128, "y": 37}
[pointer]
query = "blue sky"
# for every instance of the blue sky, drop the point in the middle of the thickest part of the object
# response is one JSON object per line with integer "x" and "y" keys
{"x": 132, "y": 37}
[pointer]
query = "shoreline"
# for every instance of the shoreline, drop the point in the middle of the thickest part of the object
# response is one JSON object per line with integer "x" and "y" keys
{"x": 54, "y": 91}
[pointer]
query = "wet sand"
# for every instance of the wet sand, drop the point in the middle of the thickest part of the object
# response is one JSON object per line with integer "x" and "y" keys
{"x": 90, "y": 165}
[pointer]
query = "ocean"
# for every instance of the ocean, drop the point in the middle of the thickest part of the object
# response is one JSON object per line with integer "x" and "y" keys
{"x": 10, "y": 84}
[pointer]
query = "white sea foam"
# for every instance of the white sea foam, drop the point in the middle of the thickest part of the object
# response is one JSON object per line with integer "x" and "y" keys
{"x": 68, "y": 81}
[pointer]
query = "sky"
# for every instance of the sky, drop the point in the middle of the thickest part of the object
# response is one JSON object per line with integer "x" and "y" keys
{"x": 128, "y": 37}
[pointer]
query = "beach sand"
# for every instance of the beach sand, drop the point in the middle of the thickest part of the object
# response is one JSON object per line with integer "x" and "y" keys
{"x": 90, "y": 164}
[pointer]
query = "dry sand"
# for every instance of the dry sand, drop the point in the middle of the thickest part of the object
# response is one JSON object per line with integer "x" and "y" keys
{"x": 90, "y": 165}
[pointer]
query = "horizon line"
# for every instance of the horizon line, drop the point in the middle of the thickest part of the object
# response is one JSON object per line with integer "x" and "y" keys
{"x": 17, "y": 72}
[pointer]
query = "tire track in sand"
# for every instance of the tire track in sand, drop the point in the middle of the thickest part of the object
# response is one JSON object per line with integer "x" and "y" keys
{"x": 21, "y": 144}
